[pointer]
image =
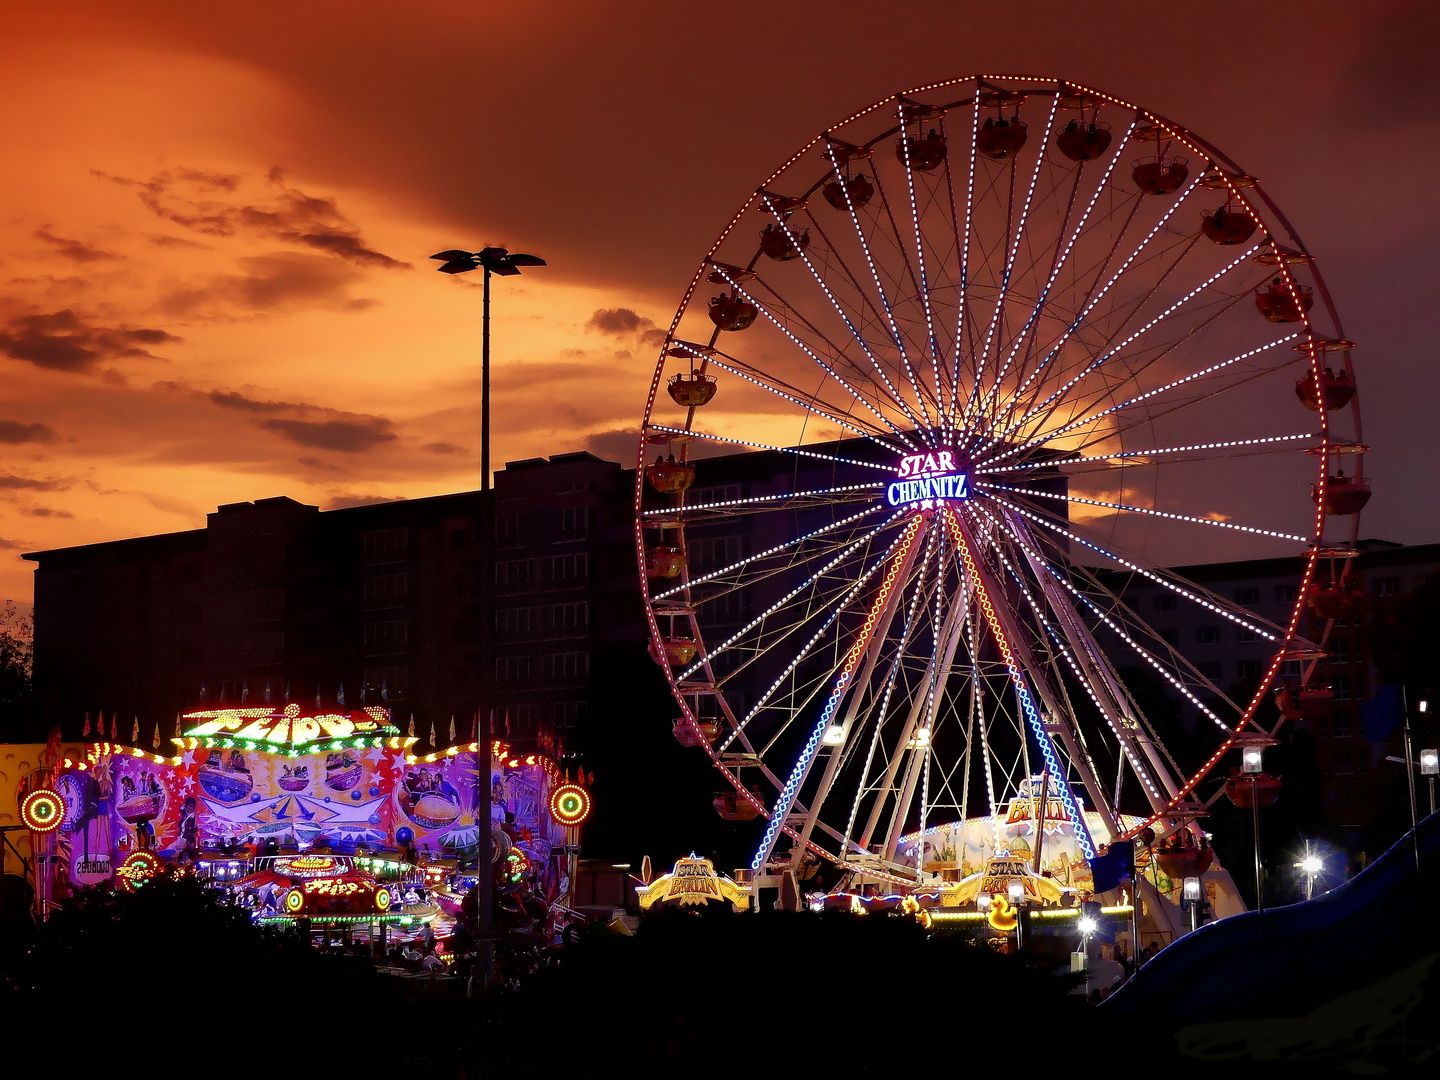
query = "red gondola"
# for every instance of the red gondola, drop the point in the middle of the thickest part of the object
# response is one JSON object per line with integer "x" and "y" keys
{"x": 859, "y": 188}
{"x": 1002, "y": 139}
{"x": 665, "y": 562}
{"x": 1161, "y": 175}
{"x": 1277, "y": 303}
{"x": 1343, "y": 494}
{"x": 678, "y": 651}
{"x": 693, "y": 390}
{"x": 731, "y": 312}
{"x": 783, "y": 243}
{"x": 1253, "y": 789}
{"x": 1083, "y": 142}
{"x": 1336, "y": 389}
{"x": 1334, "y": 600}
{"x": 686, "y": 735}
{"x": 921, "y": 153}
{"x": 732, "y": 807}
{"x": 669, "y": 475}
{"x": 1226, "y": 226}
{"x": 1180, "y": 855}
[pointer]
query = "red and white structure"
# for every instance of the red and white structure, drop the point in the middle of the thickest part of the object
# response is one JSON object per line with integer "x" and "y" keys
{"x": 1015, "y": 334}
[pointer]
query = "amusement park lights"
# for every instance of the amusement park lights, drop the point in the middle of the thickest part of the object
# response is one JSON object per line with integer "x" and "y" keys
{"x": 570, "y": 805}
{"x": 787, "y": 795}
{"x": 42, "y": 810}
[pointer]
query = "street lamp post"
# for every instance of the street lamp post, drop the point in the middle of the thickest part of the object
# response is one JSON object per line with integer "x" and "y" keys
{"x": 1250, "y": 762}
{"x": 492, "y": 260}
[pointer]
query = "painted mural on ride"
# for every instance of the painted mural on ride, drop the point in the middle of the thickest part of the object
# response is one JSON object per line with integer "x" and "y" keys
{"x": 253, "y": 786}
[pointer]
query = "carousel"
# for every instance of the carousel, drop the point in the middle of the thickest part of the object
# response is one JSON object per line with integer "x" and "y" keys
{"x": 323, "y": 819}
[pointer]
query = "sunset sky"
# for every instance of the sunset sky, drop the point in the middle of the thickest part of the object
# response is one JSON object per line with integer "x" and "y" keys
{"x": 217, "y": 218}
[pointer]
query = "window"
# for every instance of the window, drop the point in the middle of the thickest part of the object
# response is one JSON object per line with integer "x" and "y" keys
{"x": 728, "y": 493}
{"x": 387, "y": 590}
{"x": 713, "y": 553}
{"x": 1164, "y": 601}
{"x": 385, "y": 545}
{"x": 568, "y": 714}
{"x": 391, "y": 680}
{"x": 1340, "y": 650}
{"x": 507, "y": 528}
{"x": 1342, "y": 719}
{"x": 726, "y": 607}
{"x": 1211, "y": 669}
{"x": 1244, "y": 633}
{"x": 1387, "y": 586}
{"x": 393, "y": 635}
{"x": 575, "y": 522}
{"x": 512, "y": 574}
{"x": 566, "y": 666}
{"x": 1292, "y": 669}
{"x": 517, "y": 621}
{"x": 1249, "y": 595}
{"x": 569, "y": 568}
{"x": 1341, "y": 685}
{"x": 567, "y": 620}
{"x": 1207, "y": 635}
{"x": 1249, "y": 669}
{"x": 1170, "y": 636}
{"x": 1286, "y": 594}
{"x": 512, "y": 669}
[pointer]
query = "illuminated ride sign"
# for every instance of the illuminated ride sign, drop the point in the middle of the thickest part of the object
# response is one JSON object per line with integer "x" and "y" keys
{"x": 925, "y": 479}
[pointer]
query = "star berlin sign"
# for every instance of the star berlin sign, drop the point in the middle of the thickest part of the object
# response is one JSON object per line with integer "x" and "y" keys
{"x": 925, "y": 479}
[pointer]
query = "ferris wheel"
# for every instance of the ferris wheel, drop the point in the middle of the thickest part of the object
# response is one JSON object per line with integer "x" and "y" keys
{"x": 1002, "y": 349}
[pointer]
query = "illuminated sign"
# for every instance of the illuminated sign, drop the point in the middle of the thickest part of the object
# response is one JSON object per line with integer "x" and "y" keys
{"x": 927, "y": 478}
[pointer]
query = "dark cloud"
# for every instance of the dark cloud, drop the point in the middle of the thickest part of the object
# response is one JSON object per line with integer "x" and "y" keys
{"x": 11, "y": 545}
{"x": 25, "y": 483}
{"x": 15, "y": 432}
{"x": 161, "y": 240}
{"x": 270, "y": 283}
{"x": 75, "y": 250}
{"x": 316, "y": 463}
{"x": 443, "y": 448}
{"x": 64, "y": 341}
{"x": 344, "y": 436}
{"x": 205, "y": 203}
{"x": 233, "y": 399}
{"x": 48, "y": 511}
{"x": 617, "y": 445}
{"x": 618, "y": 322}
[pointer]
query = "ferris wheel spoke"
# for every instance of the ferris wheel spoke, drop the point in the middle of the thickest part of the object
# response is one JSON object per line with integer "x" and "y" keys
{"x": 798, "y": 451}
{"x": 776, "y": 321}
{"x": 804, "y": 586}
{"x": 1059, "y": 262}
{"x": 770, "y": 502}
{"x": 828, "y": 412}
{"x": 1111, "y": 351}
{"x": 778, "y": 549}
{"x": 894, "y": 395}
{"x": 889, "y": 312}
{"x": 1099, "y": 679}
{"x": 1017, "y": 234}
{"x": 1091, "y": 302}
{"x": 923, "y": 285}
{"x": 1096, "y": 417}
{"x": 1148, "y": 511}
{"x": 1142, "y": 458}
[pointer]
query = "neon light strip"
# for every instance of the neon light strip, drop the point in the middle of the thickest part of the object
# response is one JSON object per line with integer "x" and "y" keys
{"x": 1042, "y": 738}
{"x": 768, "y": 552}
{"x": 781, "y": 449}
{"x": 1147, "y": 453}
{"x": 787, "y": 795}
{"x": 1144, "y": 510}
{"x": 1110, "y": 354}
{"x": 669, "y": 510}
{"x": 1172, "y": 586}
{"x": 895, "y": 395}
{"x": 1134, "y": 400}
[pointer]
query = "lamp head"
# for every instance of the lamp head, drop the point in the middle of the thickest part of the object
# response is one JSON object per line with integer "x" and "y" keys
{"x": 1429, "y": 762}
{"x": 1250, "y": 759}
{"x": 1192, "y": 888}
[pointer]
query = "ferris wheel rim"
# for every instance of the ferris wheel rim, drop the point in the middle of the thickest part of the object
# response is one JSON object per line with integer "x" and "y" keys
{"x": 1179, "y": 134}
